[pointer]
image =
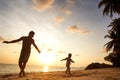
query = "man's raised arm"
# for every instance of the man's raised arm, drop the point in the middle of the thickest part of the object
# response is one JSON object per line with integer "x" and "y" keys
{"x": 13, "y": 41}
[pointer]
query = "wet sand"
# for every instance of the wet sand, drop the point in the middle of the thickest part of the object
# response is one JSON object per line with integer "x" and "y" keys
{"x": 94, "y": 74}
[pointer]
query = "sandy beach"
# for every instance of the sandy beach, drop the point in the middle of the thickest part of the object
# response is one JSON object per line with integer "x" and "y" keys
{"x": 94, "y": 74}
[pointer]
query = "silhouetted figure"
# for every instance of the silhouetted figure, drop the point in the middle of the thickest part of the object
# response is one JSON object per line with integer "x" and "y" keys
{"x": 25, "y": 51}
{"x": 68, "y": 63}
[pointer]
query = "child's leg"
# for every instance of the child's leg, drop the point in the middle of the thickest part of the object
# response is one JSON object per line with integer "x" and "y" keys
{"x": 68, "y": 69}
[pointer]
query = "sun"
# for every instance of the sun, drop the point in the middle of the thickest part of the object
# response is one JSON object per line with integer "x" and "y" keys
{"x": 47, "y": 57}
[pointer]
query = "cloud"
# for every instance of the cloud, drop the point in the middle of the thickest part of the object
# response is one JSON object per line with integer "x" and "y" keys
{"x": 59, "y": 19}
{"x": 77, "y": 55}
{"x": 60, "y": 52}
{"x": 66, "y": 11}
{"x": 104, "y": 50}
{"x": 1, "y": 38}
{"x": 49, "y": 49}
{"x": 42, "y": 5}
{"x": 43, "y": 45}
{"x": 70, "y": 2}
{"x": 76, "y": 29}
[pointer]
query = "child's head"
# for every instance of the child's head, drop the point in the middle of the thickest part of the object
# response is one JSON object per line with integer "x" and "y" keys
{"x": 69, "y": 55}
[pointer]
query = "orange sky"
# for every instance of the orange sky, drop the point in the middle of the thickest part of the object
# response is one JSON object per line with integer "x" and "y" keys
{"x": 61, "y": 27}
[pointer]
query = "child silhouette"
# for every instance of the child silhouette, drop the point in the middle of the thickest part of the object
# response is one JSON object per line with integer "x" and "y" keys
{"x": 68, "y": 63}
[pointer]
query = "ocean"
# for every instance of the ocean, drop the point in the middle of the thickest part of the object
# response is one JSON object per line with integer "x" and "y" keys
{"x": 14, "y": 68}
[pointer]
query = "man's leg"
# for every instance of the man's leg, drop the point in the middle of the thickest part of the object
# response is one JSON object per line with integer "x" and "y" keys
{"x": 20, "y": 66}
{"x": 23, "y": 67}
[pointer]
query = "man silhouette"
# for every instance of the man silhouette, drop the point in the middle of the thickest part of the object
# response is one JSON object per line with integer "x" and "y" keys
{"x": 25, "y": 51}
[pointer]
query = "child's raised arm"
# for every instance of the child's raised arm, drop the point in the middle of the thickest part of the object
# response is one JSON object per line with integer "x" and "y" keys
{"x": 64, "y": 59}
{"x": 72, "y": 61}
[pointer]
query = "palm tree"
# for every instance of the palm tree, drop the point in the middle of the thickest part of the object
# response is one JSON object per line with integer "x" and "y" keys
{"x": 114, "y": 59}
{"x": 114, "y": 35}
{"x": 110, "y": 7}
{"x": 114, "y": 44}
{"x": 115, "y": 24}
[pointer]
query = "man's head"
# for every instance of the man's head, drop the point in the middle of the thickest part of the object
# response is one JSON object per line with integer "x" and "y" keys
{"x": 31, "y": 34}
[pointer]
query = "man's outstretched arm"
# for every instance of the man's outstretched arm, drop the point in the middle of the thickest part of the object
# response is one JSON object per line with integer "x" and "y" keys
{"x": 36, "y": 47}
{"x": 13, "y": 41}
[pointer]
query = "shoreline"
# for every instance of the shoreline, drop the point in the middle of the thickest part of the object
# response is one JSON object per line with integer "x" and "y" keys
{"x": 93, "y": 74}
{"x": 14, "y": 68}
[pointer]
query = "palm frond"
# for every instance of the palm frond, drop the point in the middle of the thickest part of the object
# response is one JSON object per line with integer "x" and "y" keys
{"x": 106, "y": 10}
{"x": 107, "y": 36}
{"x": 101, "y": 3}
{"x": 109, "y": 45}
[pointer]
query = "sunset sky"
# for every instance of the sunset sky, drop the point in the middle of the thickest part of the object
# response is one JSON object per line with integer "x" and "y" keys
{"x": 60, "y": 26}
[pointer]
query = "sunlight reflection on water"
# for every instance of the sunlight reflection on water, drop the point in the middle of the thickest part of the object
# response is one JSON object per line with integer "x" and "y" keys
{"x": 45, "y": 69}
